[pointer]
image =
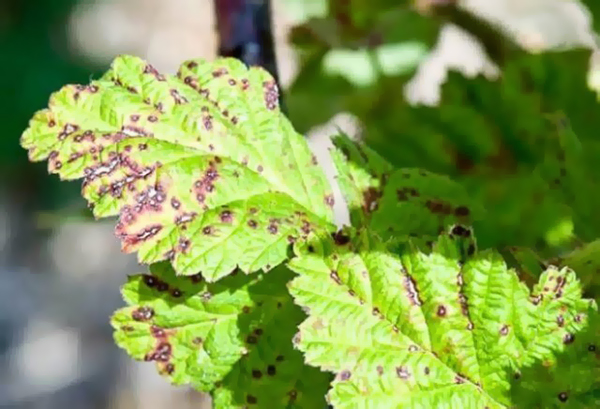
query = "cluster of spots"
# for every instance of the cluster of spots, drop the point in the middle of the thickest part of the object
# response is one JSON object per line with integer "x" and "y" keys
{"x": 82, "y": 89}
{"x": 460, "y": 231}
{"x": 270, "y": 371}
{"x": 161, "y": 286}
{"x": 254, "y": 336}
{"x": 163, "y": 350}
{"x": 271, "y": 94}
{"x": 205, "y": 185}
{"x": 119, "y": 161}
{"x": 143, "y": 313}
{"x": 67, "y": 130}
{"x": 149, "y": 200}
{"x": 192, "y": 82}
{"x": 405, "y": 193}
{"x": 150, "y": 70}
{"x": 370, "y": 201}
{"x": 444, "y": 208}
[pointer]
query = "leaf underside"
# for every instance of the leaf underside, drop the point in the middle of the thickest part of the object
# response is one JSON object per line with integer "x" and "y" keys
{"x": 447, "y": 328}
{"x": 232, "y": 338}
{"x": 202, "y": 168}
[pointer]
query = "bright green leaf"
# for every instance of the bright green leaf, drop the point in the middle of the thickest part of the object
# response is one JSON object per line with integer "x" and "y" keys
{"x": 202, "y": 168}
{"x": 441, "y": 329}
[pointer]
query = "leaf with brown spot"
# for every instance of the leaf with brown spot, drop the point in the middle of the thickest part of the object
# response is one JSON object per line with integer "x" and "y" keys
{"x": 169, "y": 161}
{"x": 444, "y": 309}
{"x": 398, "y": 203}
{"x": 199, "y": 340}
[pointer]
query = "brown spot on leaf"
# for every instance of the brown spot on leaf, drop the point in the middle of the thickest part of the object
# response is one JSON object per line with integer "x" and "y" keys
{"x": 402, "y": 372}
{"x": 142, "y": 314}
{"x": 563, "y": 396}
{"x": 251, "y": 399}
{"x": 459, "y": 379}
{"x": 252, "y": 223}
{"x": 370, "y": 199}
{"x": 335, "y": 277}
{"x": 271, "y": 94}
{"x": 329, "y": 201}
{"x": 256, "y": 374}
{"x": 345, "y": 375}
{"x": 441, "y": 311}
{"x": 271, "y": 370}
{"x": 504, "y": 330}
{"x": 568, "y": 338}
{"x": 401, "y": 195}
{"x": 226, "y": 216}
{"x": 157, "y": 332}
{"x": 340, "y": 238}
{"x": 462, "y": 211}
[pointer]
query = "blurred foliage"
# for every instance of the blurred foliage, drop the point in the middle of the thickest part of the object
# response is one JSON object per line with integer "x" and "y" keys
{"x": 33, "y": 44}
{"x": 524, "y": 146}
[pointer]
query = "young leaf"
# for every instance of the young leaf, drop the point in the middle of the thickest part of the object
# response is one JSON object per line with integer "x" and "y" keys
{"x": 202, "y": 168}
{"x": 446, "y": 328}
{"x": 232, "y": 338}
{"x": 398, "y": 202}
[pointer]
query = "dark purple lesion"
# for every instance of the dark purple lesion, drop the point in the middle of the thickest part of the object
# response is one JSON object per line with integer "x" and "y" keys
{"x": 370, "y": 200}
{"x": 271, "y": 94}
{"x": 205, "y": 185}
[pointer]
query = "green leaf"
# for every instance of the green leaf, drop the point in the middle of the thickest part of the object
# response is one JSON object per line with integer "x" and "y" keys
{"x": 232, "y": 337}
{"x": 572, "y": 380}
{"x": 202, "y": 168}
{"x": 398, "y": 203}
{"x": 441, "y": 329}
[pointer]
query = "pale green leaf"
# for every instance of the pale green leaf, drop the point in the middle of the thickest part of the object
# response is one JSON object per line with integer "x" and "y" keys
{"x": 444, "y": 329}
{"x": 232, "y": 338}
{"x": 202, "y": 168}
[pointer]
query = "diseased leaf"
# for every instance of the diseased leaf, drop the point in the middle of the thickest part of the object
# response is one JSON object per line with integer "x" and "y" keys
{"x": 398, "y": 203}
{"x": 572, "y": 380}
{"x": 441, "y": 329}
{"x": 361, "y": 176}
{"x": 201, "y": 168}
{"x": 232, "y": 338}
